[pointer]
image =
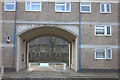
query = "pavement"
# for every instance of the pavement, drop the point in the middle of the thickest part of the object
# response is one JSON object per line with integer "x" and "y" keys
{"x": 67, "y": 74}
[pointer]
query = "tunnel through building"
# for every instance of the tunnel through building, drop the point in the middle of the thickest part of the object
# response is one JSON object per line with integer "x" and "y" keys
{"x": 49, "y": 49}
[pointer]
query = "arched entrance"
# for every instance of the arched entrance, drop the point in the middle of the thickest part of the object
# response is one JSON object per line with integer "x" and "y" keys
{"x": 49, "y": 49}
{"x": 33, "y": 32}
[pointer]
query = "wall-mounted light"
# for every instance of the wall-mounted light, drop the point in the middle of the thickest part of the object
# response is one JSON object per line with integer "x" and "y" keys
{"x": 8, "y": 38}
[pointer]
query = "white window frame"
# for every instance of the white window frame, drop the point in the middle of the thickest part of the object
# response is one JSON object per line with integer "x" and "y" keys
{"x": 100, "y": 58}
{"x": 110, "y": 53}
{"x": 31, "y": 5}
{"x": 85, "y": 5}
{"x": 105, "y": 30}
{"x": 105, "y": 6}
{"x": 7, "y": 2}
{"x": 105, "y": 53}
{"x": 64, "y": 5}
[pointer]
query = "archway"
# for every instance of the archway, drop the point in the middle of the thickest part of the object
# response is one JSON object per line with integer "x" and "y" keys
{"x": 51, "y": 50}
{"x": 31, "y": 33}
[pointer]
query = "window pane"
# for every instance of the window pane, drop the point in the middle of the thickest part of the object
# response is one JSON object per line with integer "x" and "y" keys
{"x": 108, "y": 7}
{"x": 37, "y": 54}
{"x": 100, "y": 55}
{"x": 9, "y": 6}
{"x": 35, "y": 7}
{"x": 60, "y": 3}
{"x": 43, "y": 49}
{"x": 108, "y": 54}
{"x": 68, "y": 6}
{"x": 85, "y": 3}
{"x": 100, "y": 27}
{"x": 100, "y": 50}
{"x": 35, "y": 2}
{"x": 102, "y": 8}
{"x": 85, "y": 8}
{"x": 28, "y": 6}
{"x": 108, "y": 30}
{"x": 60, "y": 7}
{"x": 99, "y": 31}
{"x": 10, "y": 2}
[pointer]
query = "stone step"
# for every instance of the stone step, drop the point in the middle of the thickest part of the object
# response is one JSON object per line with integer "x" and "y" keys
{"x": 60, "y": 79}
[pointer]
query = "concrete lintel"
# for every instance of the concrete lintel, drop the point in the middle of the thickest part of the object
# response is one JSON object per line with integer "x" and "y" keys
{"x": 99, "y": 46}
{"x": 82, "y": 46}
{"x": 60, "y": 22}
{"x": 112, "y": 1}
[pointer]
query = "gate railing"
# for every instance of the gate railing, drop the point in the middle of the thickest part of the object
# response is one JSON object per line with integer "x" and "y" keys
{"x": 52, "y": 66}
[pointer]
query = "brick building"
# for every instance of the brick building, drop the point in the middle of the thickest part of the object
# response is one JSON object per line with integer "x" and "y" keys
{"x": 91, "y": 30}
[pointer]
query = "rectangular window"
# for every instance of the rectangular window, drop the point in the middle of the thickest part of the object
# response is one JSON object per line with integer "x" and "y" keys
{"x": 103, "y": 53}
{"x": 109, "y": 53}
{"x": 103, "y": 30}
{"x": 100, "y": 54}
{"x": 85, "y": 7}
{"x": 105, "y": 8}
{"x": 22, "y": 57}
{"x": 63, "y": 7}
{"x": 10, "y": 6}
{"x": 33, "y": 6}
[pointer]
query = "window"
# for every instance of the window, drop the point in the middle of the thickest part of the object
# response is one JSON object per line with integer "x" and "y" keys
{"x": 103, "y": 30}
{"x": 109, "y": 54}
{"x": 33, "y": 6}
{"x": 63, "y": 7}
{"x": 10, "y": 6}
{"x": 103, "y": 53}
{"x": 105, "y": 8}
{"x": 22, "y": 57}
{"x": 42, "y": 49}
{"x": 85, "y": 7}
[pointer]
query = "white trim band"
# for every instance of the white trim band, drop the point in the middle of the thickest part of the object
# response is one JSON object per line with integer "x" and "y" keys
{"x": 99, "y": 46}
{"x": 111, "y": 1}
{"x": 82, "y": 46}
{"x": 59, "y": 22}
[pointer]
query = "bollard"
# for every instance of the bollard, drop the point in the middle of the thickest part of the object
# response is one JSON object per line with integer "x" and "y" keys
{"x": 64, "y": 66}
{"x": 29, "y": 67}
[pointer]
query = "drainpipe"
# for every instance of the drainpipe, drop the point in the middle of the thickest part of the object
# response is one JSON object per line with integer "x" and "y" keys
{"x": 14, "y": 37}
{"x": 79, "y": 39}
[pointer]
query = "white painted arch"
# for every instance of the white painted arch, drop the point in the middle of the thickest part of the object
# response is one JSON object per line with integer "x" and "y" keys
{"x": 28, "y": 32}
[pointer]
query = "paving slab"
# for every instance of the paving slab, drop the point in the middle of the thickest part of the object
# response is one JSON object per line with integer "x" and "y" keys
{"x": 51, "y": 75}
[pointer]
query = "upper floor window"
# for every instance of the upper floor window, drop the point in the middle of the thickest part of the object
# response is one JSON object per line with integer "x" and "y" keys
{"x": 10, "y": 6}
{"x": 103, "y": 30}
{"x": 33, "y": 6}
{"x": 63, "y": 7}
{"x": 85, "y": 7}
{"x": 103, "y": 53}
{"x": 105, "y": 8}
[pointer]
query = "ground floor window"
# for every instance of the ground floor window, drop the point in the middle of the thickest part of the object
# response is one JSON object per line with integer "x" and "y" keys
{"x": 103, "y": 53}
{"x": 101, "y": 30}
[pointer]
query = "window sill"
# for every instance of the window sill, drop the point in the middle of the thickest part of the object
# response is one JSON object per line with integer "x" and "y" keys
{"x": 102, "y": 35}
{"x": 106, "y": 13}
{"x": 63, "y": 11}
{"x": 100, "y": 58}
{"x": 9, "y": 10}
{"x": 85, "y": 12}
{"x": 33, "y": 11}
